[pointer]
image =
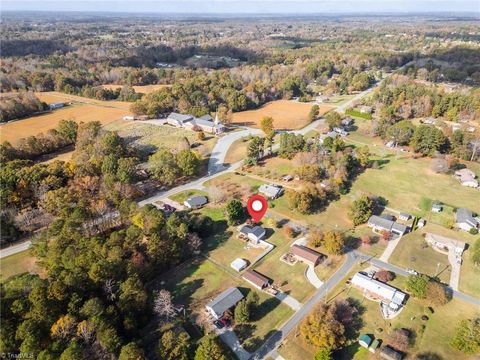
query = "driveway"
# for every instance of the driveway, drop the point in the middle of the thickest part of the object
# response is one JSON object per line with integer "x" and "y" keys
{"x": 14, "y": 249}
{"x": 289, "y": 301}
{"x": 312, "y": 277}
{"x": 392, "y": 244}
{"x": 455, "y": 271}
{"x": 231, "y": 340}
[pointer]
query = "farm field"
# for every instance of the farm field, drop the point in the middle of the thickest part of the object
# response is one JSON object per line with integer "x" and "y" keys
{"x": 286, "y": 114}
{"x": 17, "y": 264}
{"x": 35, "y": 125}
{"x": 434, "y": 338}
{"x": 55, "y": 96}
{"x": 143, "y": 89}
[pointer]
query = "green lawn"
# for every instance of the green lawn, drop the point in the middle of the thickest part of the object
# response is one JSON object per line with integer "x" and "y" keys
{"x": 17, "y": 264}
{"x": 413, "y": 252}
{"x": 291, "y": 279}
{"x": 376, "y": 247}
{"x": 184, "y": 195}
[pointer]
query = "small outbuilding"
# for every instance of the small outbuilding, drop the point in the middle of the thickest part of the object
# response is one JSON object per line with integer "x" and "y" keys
{"x": 365, "y": 340}
{"x": 256, "y": 279}
{"x": 404, "y": 216}
{"x": 374, "y": 346}
{"x": 271, "y": 191}
{"x": 196, "y": 202}
{"x": 238, "y": 264}
{"x": 306, "y": 255}
{"x": 437, "y": 207}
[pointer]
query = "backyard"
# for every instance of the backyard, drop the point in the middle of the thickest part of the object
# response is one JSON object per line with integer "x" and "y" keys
{"x": 17, "y": 264}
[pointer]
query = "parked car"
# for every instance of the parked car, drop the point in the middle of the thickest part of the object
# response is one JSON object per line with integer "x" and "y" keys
{"x": 225, "y": 322}
{"x": 218, "y": 324}
{"x": 168, "y": 209}
{"x": 411, "y": 271}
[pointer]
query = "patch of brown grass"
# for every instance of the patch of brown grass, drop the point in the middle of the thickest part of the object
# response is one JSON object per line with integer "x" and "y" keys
{"x": 286, "y": 114}
{"x": 144, "y": 89}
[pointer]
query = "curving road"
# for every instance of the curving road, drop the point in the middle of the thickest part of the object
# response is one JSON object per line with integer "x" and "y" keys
{"x": 15, "y": 249}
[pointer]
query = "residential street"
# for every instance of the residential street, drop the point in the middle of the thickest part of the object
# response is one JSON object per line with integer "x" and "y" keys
{"x": 15, "y": 249}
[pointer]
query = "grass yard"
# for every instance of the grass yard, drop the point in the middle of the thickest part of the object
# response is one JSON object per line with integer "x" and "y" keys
{"x": 143, "y": 89}
{"x": 273, "y": 168}
{"x": 270, "y": 314}
{"x": 237, "y": 151}
{"x": 286, "y": 114}
{"x": 184, "y": 195}
{"x": 405, "y": 181}
{"x": 376, "y": 247}
{"x": 413, "y": 252}
{"x": 19, "y": 263}
{"x": 150, "y": 137}
{"x": 291, "y": 279}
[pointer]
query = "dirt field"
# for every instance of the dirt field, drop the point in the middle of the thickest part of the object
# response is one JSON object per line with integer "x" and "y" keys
{"x": 82, "y": 109}
{"x": 145, "y": 89}
{"x": 286, "y": 114}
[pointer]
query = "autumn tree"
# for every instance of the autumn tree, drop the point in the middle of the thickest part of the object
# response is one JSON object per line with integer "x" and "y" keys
{"x": 333, "y": 119}
{"x": 467, "y": 336}
{"x": 334, "y": 242}
{"x": 384, "y": 275}
{"x": 210, "y": 349}
{"x": 361, "y": 210}
{"x": 314, "y": 111}
{"x": 436, "y": 293}
{"x": 398, "y": 339}
{"x": 315, "y": 237}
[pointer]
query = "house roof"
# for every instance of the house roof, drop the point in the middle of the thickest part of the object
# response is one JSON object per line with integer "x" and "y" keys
{"x": 270, "y": 190}
{"x": 465, "y": 175}
{"x": 306, "y": 253}
{"x": 256, "y": 278}
{"x": 390, "y": 354}
{"x": 436, "y": 206}
{"x": 388, "y": 217}
{"x": 225, "y": 301}
{"x": 197, "y": 200}
{"x": 207, "y": 117}
{"x": 366, "y": 339}
{"x": 404, "y": 215}
{"x": 258, "y": 231}
{"x": 380, "y": 222}
{"x": 238, "y": 264}
{"x": 399, "y": 227}
{"x": 203, "y": 122}
{"x": 179, "y": 117}
{"x": 465, "y": 216}
{"x": 445, "y": 240}
{"x": 379, "y": 288}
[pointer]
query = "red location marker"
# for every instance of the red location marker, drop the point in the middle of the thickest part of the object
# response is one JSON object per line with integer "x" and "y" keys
{"x": 257, "y": 207}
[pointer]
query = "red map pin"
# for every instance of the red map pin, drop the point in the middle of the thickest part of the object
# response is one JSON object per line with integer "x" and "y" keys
{"x": 257, "y": 207}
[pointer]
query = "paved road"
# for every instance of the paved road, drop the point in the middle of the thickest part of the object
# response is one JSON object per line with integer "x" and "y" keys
{"x": 15, "y": 249}
{"x": 274, "y": 341}
{"x": 217, "y": 157}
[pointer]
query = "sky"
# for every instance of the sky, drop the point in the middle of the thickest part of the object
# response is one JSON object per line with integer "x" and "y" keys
{"x": 471, "y": 7}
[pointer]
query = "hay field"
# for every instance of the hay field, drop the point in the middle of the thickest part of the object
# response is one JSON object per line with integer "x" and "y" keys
{"x": 144, "y": 89}
{"x": 35, "y": 125}
{"x": 55, "y": 96}
{"x": 81, "y": 110}
{"x": 286, "y": 114}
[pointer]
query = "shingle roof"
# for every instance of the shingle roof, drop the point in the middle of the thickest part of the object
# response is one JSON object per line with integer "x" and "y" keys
{"x": 258, "y": 231}
{"x": 445, "y": 240}
{"x": 197, "y": 200}
{"x": 380, "y": 222}
{"x": 270, "y": 190}
{"x": 390, "y": 354}
{"x": 465, "y": 216}
{"x": 207, "y": 117}
{"x": 306, "y": 253}
{"x": 225, "y": 300}
{"x": 180, "y": 117}
{"x": 256, "y": 278}
{"x": 379, "y": 288}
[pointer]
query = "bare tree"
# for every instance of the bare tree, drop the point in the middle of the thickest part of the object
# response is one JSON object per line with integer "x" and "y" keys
{"x": 194, "y": 243}
{"x": 109, "y": 289}
{"x": 163, "y": 305}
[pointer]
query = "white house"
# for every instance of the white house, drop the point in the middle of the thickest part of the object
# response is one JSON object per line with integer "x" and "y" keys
{"x": 466, "y": 178}
{"x": 464, "y": 220}
{"x": 253, "y": 233}
{"x": 443, "y": 243}
{"x": 195, "y": 202}
{"x": 379, "y": 290}
{"x": 223, "y": 302}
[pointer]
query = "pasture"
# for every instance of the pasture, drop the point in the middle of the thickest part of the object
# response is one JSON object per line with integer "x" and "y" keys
{"x": 286, "y": 114}
{"x": 81, "y": 110}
